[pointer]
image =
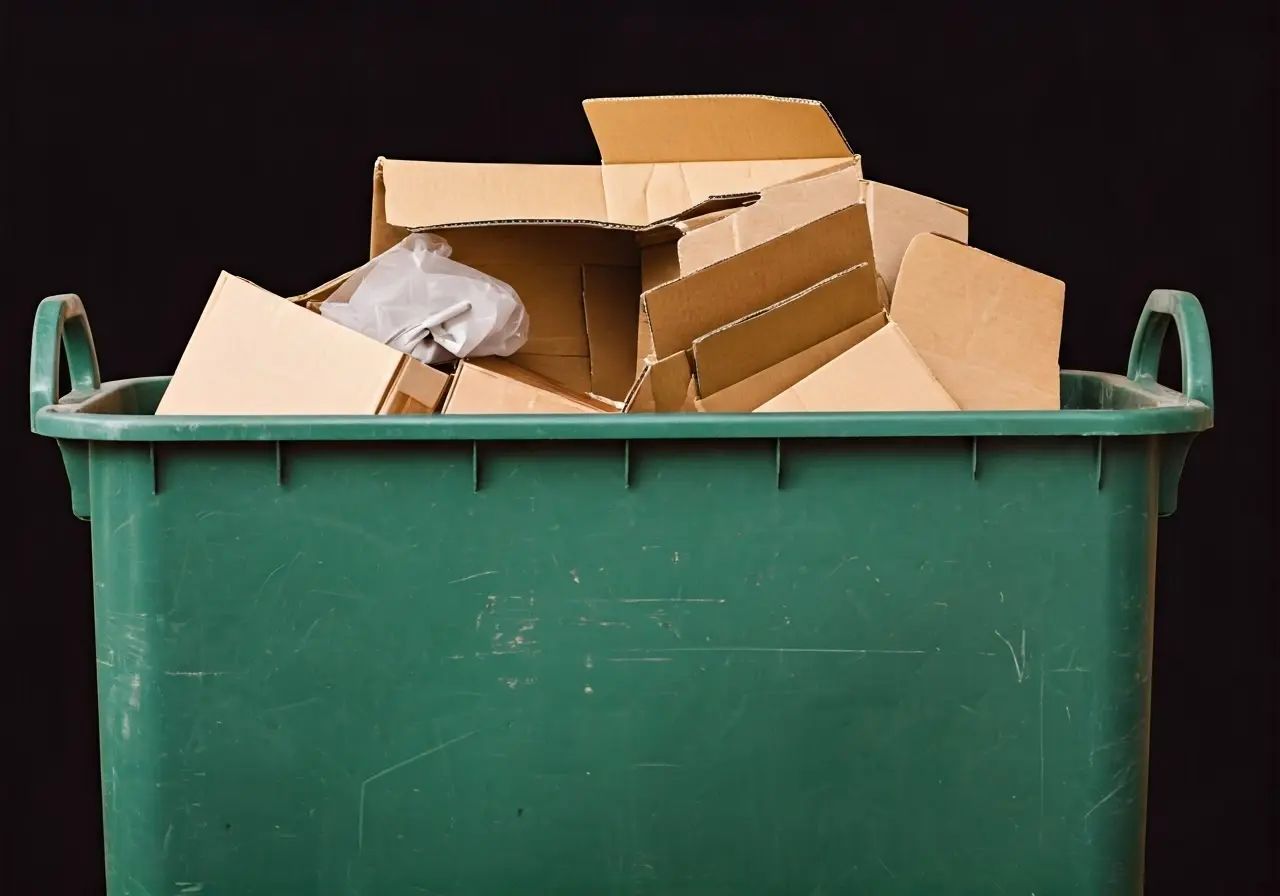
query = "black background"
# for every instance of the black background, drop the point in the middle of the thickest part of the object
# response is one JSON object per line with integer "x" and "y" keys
{"x": 1118, "y": 151}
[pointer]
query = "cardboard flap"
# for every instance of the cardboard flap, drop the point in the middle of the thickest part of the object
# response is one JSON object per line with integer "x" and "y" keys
{"x": 253, "y": 352}
{"x": 988, "y": 328}
{"x": 750, "y": 393}
{"x": 417, "y": 389}
{"x": 663, "y": 386}
{"x": 436, "y": 194}
{"x": 899, "y": 216}
{"x": 781, "y": 207}
{"x": 758, "y": 341}
{"x": 713, "y": 128}
{"x": 751, "y": 281}
{"x": 883, "y": 372}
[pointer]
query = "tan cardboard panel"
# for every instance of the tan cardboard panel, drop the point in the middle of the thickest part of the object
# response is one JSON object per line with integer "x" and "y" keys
{"x": 761, "y": 340}
{"x": 989, "y": 329}
{"x": 494, "y": 386}
{"x": 552, "y": 296}
{"x": 685, "y": 309}
{"x": 782, "y": 207}
{"x": 881, "y": 373}
{"x": 712, "y": 129}
{"x": 748, "y": 394}
{"x": 664, "y": 386}
{"x": 898, "y": 216}
{"x": 417, "y": 389}
{"x": 571, "y": 372}
{"x": 423, "y": 194}
{"x": 611, "y": 296}
{"x": 253, "y": 352}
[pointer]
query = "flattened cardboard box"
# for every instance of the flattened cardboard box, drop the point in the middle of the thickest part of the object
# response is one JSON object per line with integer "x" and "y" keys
{"x": 253, "y": 352}
{"x": 989, "y": 329}
{"x": 663, "y": 159}
{"x": 496, "y": 386}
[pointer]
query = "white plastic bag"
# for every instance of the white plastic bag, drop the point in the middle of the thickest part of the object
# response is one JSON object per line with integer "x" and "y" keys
{"x": 414, "y": 298}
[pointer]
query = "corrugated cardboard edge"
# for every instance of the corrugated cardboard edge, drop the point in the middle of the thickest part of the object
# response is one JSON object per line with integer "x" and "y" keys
{"x": 748, "y": 394}
{"x": 679, "y": 311}
{"x": 323, "y": 291}
{"x": 768, "y": 337}
{"x": 664, "y": 386}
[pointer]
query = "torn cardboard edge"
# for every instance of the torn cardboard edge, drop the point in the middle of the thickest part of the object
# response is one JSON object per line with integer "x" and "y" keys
{"x": 768, "y": 337}
{"x": 881, "y": 372}
{"x": 989, "y": 329}
{"x": 253, "y": 352}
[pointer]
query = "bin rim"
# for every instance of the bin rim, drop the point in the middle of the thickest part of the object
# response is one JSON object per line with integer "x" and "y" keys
{"x": 61, "y": 325}
{"x": 73, "y": 418}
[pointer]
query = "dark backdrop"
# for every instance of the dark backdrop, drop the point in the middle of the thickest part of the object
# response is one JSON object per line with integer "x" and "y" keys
{"x": 1117, "y": 151}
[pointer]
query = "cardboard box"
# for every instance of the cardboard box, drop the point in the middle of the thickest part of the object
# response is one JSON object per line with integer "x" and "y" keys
{"x": 253, "y": 352}
{"x": 664, "y": 159}
{"x": 496, "y": 386}
{"x": 989, "y": 329}
{"x": 882, "y": 372}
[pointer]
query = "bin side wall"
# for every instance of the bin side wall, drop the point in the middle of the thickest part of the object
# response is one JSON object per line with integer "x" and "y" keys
{"x": 672, "y": 667}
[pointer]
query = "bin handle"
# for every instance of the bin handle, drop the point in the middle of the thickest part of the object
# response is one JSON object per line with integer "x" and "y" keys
{"x": 1188, "y": 318}
{"x": 61, "y": 326}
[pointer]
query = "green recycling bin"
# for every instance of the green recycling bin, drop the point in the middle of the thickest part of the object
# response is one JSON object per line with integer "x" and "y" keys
{"x": 647, "y": 654}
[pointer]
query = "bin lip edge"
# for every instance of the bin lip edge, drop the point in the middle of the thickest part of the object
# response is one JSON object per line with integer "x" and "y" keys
{"x": 65, "y": 421}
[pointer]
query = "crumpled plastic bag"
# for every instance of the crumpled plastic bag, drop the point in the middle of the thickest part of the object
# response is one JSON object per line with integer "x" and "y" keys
{"x": 416, "y": 299}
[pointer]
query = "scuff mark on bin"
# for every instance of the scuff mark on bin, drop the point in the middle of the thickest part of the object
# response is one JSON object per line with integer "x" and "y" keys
{"x": 364, "y": 785}
{"x": 475, "y": 575}
{"x": 1019, "y": 665}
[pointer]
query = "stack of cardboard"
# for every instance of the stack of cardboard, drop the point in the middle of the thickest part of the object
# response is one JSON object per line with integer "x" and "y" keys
{"x": 726, "y": 255}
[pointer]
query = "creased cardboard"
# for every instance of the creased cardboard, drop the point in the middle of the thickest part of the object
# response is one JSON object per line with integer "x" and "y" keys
{"x": 760, "y": 340}
{"x": 663, "y": 386}
{"x": 253, "y": 352}
{"x": 496, "y": 215}
{"x": 497, "y": 386}
{"x": 781, "y": 208}
{"x": 895, "y": 217}
{"x": 989, "y": 329}
{"x": 750, "y": 281}
{"x": 883, "y": 372}
{"x": 750, "y": 393}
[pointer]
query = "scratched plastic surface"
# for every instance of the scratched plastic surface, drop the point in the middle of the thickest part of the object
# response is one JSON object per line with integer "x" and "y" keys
{"x": 822, "y": 654}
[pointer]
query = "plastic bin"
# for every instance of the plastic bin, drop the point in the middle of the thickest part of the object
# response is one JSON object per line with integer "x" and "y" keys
{"x": 663, "y": 654}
